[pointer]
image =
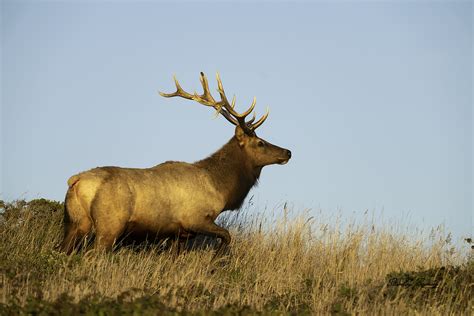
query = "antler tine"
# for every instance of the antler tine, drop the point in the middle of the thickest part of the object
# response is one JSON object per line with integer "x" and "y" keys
{"x": 220, "y": 89}
{"x": 260, "y": 121}
{"x": 179, "y": 92}
{"x": 211, "y": 102}
{"x": 251, "y": 120}
{"x": 254, "y": 102}
{"x": 230, "y": 107}
{"x": 206, "y": 95}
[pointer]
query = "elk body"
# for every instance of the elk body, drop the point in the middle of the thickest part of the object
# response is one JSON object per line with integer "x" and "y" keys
{"x": 172, "y": 199}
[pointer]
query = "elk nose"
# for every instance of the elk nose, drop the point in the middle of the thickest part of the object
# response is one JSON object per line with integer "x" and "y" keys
{"x": 288, "y": 153}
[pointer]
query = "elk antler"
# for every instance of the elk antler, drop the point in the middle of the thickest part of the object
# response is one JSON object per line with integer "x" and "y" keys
{"x": 223, "y": 107}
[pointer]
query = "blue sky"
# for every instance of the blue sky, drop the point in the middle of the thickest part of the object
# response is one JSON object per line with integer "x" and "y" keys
{"x": 373, "y": 98}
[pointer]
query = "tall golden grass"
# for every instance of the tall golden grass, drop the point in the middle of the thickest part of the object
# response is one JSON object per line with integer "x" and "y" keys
{"x": 290, "y": 264}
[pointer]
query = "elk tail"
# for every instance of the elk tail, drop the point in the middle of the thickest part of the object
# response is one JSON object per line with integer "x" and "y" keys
{"x": 72, "y": 180}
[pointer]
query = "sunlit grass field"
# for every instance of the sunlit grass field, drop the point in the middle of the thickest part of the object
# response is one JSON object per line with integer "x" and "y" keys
{"x": 288, "y": 263}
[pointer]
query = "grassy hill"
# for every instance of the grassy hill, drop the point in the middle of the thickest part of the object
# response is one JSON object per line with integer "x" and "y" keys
{"x": 293, "y": 265}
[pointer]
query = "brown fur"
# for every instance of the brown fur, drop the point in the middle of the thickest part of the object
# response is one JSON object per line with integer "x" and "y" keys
{"x": 231, "y": 171}
{"x": 173, "y": 199}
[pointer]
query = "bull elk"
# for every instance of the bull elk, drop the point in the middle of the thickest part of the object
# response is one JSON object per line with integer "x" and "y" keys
{"x": 172, "y": 199}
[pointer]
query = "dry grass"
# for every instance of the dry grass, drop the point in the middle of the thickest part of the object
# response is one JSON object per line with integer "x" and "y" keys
{"x": 288, "y": 265}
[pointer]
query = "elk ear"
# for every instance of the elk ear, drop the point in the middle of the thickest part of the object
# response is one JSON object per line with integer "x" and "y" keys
{"x": 240, "y": 135}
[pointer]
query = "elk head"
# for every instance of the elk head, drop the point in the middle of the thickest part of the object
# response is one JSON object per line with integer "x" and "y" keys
{"x": 260, "y": 152}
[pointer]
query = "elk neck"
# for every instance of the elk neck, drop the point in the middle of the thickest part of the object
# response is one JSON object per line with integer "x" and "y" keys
{"x": 232, "y": 172}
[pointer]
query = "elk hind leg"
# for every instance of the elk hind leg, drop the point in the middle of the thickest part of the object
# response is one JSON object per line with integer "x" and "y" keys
{"x": 108, "y": 230}
{"x": 75, "y": 234}
{"x": 77, "y": 223}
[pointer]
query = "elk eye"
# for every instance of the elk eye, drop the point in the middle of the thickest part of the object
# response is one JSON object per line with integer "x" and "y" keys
{"x": 260, "y": 143}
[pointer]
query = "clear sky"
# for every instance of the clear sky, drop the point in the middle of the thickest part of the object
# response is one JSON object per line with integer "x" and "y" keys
{"x": 373, "y": 98}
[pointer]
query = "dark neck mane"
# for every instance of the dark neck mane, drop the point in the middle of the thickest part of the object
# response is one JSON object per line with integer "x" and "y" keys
{"x": 232, "y": 173}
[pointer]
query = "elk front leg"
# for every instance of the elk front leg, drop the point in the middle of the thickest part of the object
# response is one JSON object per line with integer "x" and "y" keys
{"x": 209, "y": 228}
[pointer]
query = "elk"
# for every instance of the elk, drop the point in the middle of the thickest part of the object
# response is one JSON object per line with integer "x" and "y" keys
{"x": 172, "y": 199}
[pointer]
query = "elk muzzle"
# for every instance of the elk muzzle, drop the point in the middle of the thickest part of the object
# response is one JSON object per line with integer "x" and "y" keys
{"x": 287, "y": 154}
